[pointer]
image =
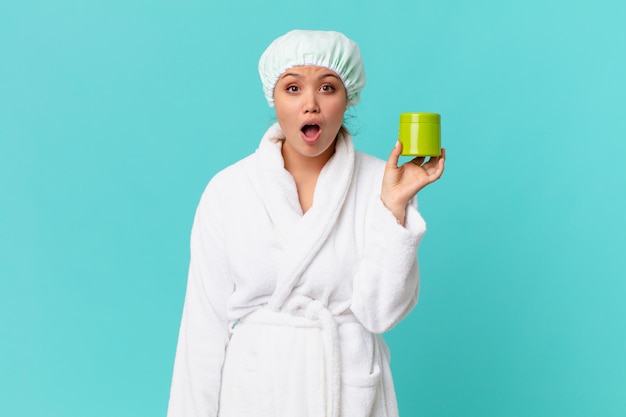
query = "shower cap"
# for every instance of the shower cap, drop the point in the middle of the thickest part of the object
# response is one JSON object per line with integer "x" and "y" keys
{"x": 328, "y": 49}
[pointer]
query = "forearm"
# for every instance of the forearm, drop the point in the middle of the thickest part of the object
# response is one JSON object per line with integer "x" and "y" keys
{"x": 386, "y": 286}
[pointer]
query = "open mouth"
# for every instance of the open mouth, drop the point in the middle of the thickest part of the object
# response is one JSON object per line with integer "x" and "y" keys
{"x": 310, "y": 131}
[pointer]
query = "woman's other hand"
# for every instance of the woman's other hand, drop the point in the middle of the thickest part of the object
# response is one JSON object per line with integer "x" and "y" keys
{"x": 402, "y": 183}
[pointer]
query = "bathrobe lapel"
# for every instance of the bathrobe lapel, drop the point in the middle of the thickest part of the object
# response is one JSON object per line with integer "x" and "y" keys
{"x": 303, "y": 234}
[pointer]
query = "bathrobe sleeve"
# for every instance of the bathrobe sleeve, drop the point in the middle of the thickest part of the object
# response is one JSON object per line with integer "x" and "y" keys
{"x": 386, "y": 285}
{"x": 204, "y": 331}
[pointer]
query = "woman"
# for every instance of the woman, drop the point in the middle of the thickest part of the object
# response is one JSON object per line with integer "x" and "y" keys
{"x": 302, "y": 254}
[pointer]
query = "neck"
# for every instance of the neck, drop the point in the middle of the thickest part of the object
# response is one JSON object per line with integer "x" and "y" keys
{"x": 299, "y": 165}
{"x": 305, "y": 170}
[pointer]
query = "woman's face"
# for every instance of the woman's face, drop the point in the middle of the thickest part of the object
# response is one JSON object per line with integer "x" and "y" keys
{"x": 310, "y": 103}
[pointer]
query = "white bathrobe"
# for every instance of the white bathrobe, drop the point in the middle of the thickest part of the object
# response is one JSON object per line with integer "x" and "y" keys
{"x": 284, "y": 310}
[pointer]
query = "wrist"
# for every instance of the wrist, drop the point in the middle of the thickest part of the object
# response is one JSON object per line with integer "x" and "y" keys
{"x": 398, "y": 209}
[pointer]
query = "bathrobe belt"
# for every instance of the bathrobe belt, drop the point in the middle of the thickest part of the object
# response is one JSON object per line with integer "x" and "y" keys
{"x": 302, "y": 311}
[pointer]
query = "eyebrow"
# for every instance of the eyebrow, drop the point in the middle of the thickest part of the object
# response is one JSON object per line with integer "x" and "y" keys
{"x": 324, "y": 75}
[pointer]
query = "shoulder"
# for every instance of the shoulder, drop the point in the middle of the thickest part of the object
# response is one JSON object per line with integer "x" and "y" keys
{"x": 370, "y": 161}
{"x": 233, "y": 172}
{"x": 369, "y": 166}
{"x": 233, "y": 177}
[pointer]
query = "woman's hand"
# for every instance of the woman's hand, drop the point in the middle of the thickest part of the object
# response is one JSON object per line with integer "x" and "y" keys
{"x": 401, "y": 183}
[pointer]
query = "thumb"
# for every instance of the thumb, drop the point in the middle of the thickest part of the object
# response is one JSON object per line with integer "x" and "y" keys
{"x": 394, "y": 156}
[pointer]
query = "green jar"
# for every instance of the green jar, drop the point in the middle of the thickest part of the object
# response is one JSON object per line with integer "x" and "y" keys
{"x": 420, "y": 134}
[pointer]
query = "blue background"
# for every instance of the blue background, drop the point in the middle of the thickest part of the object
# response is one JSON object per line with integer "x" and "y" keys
{"x": 114, "y": 115}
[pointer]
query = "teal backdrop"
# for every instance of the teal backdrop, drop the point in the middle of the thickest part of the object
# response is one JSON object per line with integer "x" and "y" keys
{"x": 115, "y": 114}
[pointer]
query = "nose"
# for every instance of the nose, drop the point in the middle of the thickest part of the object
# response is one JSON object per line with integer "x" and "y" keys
{"x": 310, "y": 103}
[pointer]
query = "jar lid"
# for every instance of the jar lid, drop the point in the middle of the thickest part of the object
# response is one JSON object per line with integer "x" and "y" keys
{"x": 419, "y": 117}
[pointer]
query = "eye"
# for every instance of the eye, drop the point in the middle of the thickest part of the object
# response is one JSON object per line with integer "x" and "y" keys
{"x": 292, "y": 89}
{"x": 328, "y": 88}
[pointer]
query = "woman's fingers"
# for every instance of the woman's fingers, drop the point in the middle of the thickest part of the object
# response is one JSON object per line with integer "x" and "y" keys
{"x": 418, "y": 160}
{"x": 435, "y": 161}
{"x": 394, "y": 156}
{"x": 435, "y": 170}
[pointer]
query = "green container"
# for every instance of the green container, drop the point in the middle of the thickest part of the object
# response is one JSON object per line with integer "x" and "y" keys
{"x": 420, "y": 134}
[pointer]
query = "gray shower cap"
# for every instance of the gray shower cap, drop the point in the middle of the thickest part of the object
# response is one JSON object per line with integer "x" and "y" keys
{"x": 328, "y": 49}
